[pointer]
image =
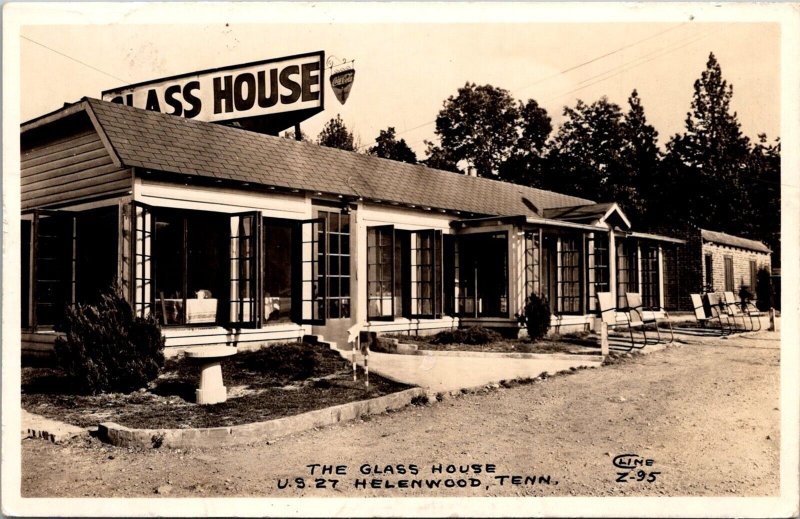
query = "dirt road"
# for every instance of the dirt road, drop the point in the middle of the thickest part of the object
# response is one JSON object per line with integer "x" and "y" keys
{"x": 706, "y": 415}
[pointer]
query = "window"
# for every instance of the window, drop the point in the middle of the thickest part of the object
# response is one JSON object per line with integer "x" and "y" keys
{"x": 532, "y": 263}
{"x": 380, "y": 272}
{"x": 245, "y": 272}
{"x": 67, "y": 257}
{"x": 709, "y": 273}
{"x": 598, "y": 268}
{"x": 142, "y": 260}
{"x": 189, "y": 265}
{"x": 728, "y": 274}
{"x": 650, "y": 288}
{"x": 549, "y": 269}
{"x": 25, "y": 268}
{"x": 753, "y": 275}
{"x": 405, "y": 273}
{"x": 450, "y": 273}
{"x": 569, "y": 275}
{"x": 627, "y": 270}
{"x": 312, "y": 272}
{"x": 426, "y": 273}
{"x": 97, "y": 252}
{"x": 337, "y": 264}
{"x": 279, "y": 254}
{"x": 54, "y": 265}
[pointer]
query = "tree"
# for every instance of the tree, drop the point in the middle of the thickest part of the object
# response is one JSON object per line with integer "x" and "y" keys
{"x": 707, "y": 163}
{"x": 764, "y": 184}
{"x": 527, "y": 161}
{"x": 336, "y": 135}
{"x": 388, "y": 147}
{"x": 477, "y": 129}
{"x": 438, "y": 158}
{"x": 642, "y": 157}
{"x": 586, "y": 156}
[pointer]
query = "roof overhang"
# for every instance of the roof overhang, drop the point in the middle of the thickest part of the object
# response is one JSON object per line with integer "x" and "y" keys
{"x": 55, "y": 115}
{"x": 523, "y": 221}
{"x": 654, "y": 237}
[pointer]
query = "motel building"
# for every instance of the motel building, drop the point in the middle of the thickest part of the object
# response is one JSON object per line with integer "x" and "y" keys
{"x": 230, "y": 236}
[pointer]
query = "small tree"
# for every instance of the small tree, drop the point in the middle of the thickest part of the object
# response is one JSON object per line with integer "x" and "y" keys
{"x": 336, "y": 135}
{"x": 388, "y": 147}
{"x": 536, "y": 317}
{"x": 106, "y": 348}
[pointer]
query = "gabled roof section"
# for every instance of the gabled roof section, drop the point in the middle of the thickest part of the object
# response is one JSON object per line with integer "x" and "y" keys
{"x": 588, "y": 214}
{"x": 733, "y": 241}
{"x": 160, "y": 142}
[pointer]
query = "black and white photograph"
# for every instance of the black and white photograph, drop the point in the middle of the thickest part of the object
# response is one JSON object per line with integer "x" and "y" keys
{"x": 400, "y": 259}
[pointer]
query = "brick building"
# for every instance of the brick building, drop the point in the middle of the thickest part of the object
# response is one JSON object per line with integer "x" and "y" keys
{"x": 714, "y": 262}
{"x": 731, "y": 262}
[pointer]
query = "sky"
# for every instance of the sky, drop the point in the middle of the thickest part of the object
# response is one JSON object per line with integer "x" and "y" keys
{"x": 406, "y": 69}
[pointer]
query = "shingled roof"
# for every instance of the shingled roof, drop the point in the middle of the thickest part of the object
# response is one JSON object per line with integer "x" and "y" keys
{"x": 733, "y": 241}
{"x": 160, "y": 142}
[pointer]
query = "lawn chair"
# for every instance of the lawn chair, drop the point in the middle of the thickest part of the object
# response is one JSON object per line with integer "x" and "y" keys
{"x": 700, "y": 312}
{"x": 739, "y": 308}
{"x": 638, "y": 317}
{"x": 608, "y": 313}
{"x": 718, "y": 310}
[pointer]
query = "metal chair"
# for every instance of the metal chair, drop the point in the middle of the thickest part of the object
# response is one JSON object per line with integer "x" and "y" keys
{"x": 608, "y": 313}
{"x": 744, "y": 308}
{"x": 700, "y": 313}
{"x": 719, "y": 310}
{"x": 734, "y": 310}
{"x": 637, "y": 314}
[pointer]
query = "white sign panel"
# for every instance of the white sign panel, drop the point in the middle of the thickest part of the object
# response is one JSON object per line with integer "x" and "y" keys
{"x": 253, "y": 89}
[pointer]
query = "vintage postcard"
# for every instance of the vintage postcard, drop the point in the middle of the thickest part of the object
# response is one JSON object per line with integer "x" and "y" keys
{"x": 400, "y": 259}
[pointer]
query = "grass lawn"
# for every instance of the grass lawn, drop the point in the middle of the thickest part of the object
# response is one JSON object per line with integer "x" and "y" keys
{"x": 574, "y": 343}
{"x": 257, "y": 391}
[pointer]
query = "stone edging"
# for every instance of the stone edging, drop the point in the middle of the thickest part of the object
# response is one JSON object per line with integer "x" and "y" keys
{"x": 512, "y": 355}
{"x": 249, "y": 433}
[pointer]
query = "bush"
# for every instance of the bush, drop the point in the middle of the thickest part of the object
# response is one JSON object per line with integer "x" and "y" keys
{"x": 764, "y": 296}
{"x": 536, "y": 317}
{"x": 106, "y": 348}
{"x": 473, "y": 335}
{"x": 289, "y": 361}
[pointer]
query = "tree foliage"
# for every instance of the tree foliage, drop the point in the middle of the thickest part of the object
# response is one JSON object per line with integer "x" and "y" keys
{"x": 706, "y": 165}
{"x": 709, "y": 176}
{"x": 336, "y": 135}
{"x": 526, "y": 165}
{"x": 586, "y": 155}
{"x": 642, "y": 160}
{"x": 388, "y": 147}
{"x": 482, "y": 127}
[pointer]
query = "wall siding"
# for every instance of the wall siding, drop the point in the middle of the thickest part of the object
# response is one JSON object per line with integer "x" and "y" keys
{"x": 741, "y": 265}
{"x": 60, "y": 168}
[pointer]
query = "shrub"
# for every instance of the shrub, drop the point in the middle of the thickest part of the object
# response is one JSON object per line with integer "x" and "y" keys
{"x": 764, "y": 296}
{"x": 106, "y": 348}
{"x": 289, "y": 361}
{"x": 536, "y": 317}
{"x": 382, "y": 345}
{"x": 473, "y": 335}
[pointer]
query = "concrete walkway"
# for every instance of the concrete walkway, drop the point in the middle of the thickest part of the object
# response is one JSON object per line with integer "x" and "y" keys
{"x": 37, "y": 426}
{"x": 441, "y": 373}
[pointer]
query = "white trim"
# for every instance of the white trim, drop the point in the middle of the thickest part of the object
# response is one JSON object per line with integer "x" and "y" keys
{"x": 615, "y": 207}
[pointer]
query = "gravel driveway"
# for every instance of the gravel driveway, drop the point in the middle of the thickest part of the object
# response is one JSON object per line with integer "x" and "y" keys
{"x": 701, "y": 419}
